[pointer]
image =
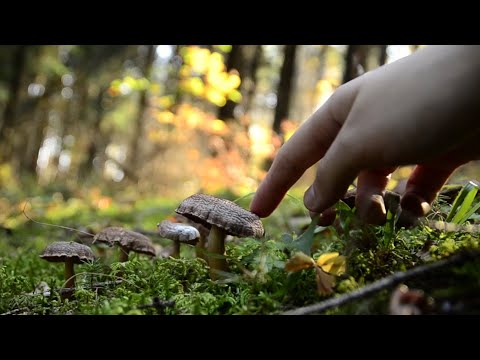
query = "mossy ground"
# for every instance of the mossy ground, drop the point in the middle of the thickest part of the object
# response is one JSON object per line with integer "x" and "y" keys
{"x": 257, "y": 283}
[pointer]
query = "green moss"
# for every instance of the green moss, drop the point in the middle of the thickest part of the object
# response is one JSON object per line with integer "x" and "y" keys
{"x": 257, "y": 283}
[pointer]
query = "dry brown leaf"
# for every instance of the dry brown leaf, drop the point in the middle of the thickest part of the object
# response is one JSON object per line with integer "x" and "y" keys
{"x": 325, "y": 282}
{"x": 299, "y": 261}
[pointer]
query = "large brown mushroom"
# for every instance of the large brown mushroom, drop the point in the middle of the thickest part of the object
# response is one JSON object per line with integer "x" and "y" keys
{"x": 127, "y": 240}
{"x": 178, "y": 233}
{"x": 223, "y": 217}
{"x": 70, "y": 253}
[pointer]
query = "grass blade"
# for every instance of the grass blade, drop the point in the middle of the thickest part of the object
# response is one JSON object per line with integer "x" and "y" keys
{"x": 460, "y": 205}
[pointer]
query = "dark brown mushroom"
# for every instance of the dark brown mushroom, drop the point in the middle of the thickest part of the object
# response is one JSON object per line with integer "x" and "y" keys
{"x": 127, "y": 240}
{"x": 223, "y": 217}
{"x": 70, "y": 253}
{"x": 178, "y": 233}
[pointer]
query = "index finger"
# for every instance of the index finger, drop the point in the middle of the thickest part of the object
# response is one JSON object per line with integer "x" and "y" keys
{"x": 308, "y": 145}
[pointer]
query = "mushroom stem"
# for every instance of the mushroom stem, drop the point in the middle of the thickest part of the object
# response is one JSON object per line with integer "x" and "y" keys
{"x": 176, "y": 249}
{"x": 69, "y": 278}
{"x": 200, "y": 248}
{"x": 216, "y": 246}
{"x": 123, "y": 254}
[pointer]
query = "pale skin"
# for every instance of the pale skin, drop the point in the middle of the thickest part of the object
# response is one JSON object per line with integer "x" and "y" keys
{"x": 421, "y": 110}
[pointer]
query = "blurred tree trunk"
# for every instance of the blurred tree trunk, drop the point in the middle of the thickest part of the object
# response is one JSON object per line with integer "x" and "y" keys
{"x": 9, "y": 113}
{"x": 235, "y": 61}
{"x": 136, "y": 139}
{"x": 34, "y": 137}
{"x": 284, "y": 88}
{"x": 251, "y": 74}
{"x": 382, "y": 59}
{"x": 355, "y": 61}
{"x": 97, "y": 67}
{"x": 96, "y": 145}
{"x": 171, "y": 85}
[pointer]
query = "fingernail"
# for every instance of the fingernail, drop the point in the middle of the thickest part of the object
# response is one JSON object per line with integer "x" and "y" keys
{"x": 374, "y": 211}
{"x": 309, "y": 199}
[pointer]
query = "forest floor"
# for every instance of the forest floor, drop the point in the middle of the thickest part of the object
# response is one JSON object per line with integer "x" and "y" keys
{"x": 293, "y": 266}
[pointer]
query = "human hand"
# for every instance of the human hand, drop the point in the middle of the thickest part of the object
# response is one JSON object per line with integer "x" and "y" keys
{"x": 421, "y": 110}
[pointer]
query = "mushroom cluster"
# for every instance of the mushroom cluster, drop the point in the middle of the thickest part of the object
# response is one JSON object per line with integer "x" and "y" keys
{"x": 223, "y": 217}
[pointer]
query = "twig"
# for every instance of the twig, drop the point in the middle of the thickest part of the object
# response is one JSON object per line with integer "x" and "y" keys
{"x": 146, "y": 232}
{"x": 159, "y": 305}
{"x": 14, "y": 311}
{"x": 58, "y": 226}
{"x": 385, "y": 283}
{"x": 96, "y": 286}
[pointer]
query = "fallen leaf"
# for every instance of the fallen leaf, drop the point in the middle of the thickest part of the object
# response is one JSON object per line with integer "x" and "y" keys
{"x": 332, "y": 263}
{"x": 325, "y": 282}
{"x": 299, "y": 261}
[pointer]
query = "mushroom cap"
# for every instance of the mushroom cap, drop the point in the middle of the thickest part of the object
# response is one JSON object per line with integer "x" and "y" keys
{"x": 127, "y": 239}
{"x": 178, "y": 232}
{"x": 225, "y": 214}
{"x": 204, "y": 231}
{"x": 61, "y": 251}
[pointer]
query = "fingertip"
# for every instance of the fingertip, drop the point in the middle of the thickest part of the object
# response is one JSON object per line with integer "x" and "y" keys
{"x": 415, "y": 204}
{"x": 310, "y": 200}
{"x": 258, "y": 208}
{"x": 372, "y": 210}
{"x": 326, "y": 218}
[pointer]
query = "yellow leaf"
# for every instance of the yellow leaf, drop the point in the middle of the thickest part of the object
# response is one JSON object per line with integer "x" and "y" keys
{"x": 165, "y": 101}
{"x": 235, "y": 96}
{"x": 332, "y": 263}
{"x": 224, "y": 48}
{"x": 196, "y": 86}
{"x": 299, "y": 261}
{"x": 184, "y": 71}
{"x": 325, "y": 282}
{"x": 200, "y": 60}
{"x": 218, "y": 127}
{"x": 215, "y": 97}
{"x": 215, "y": 63}
{"x": 234, "y": 79}
{"x": 165, "y": 117}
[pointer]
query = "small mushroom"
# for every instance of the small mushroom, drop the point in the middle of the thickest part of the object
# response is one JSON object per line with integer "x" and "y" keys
{"x": 70, "y": 253}
{"x": 127, "y": 240}
{"x": 204, "y": 231}
{"x": 179, "y": 233}
{"x": 223, "y": 217}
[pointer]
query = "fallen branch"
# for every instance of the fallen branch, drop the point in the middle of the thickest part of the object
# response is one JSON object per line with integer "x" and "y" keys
{"x": 96, "y": 286}
{"x": 385, "y": 283}
{"x": 15, "y": 311}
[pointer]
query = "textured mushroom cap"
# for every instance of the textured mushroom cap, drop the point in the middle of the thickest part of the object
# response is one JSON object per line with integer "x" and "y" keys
{"x": 127, "y": 239}
{"x": 210, "y": 210}
{"x": 61, "y": 251}
{"x": 178, "y": 232}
